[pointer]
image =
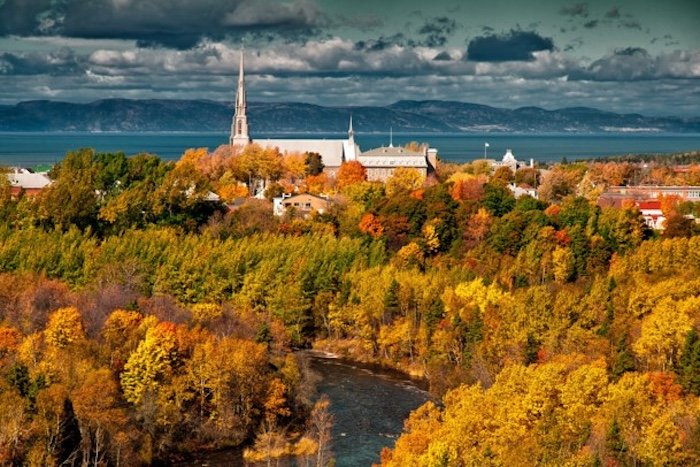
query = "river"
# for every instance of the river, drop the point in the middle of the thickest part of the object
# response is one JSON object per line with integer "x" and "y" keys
{"x": 369, "y": 405}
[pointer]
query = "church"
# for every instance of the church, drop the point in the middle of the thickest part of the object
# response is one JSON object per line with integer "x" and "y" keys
{"x": 333, "y": 151}
{"x": 380, "y": 163}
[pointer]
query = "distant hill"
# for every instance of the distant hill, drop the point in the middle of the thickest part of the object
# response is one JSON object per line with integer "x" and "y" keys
{"x": 403, "y": 116}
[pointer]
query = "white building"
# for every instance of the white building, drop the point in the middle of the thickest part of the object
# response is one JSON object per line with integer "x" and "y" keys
{"x": 25, "y": 180}
{"x": 333, "y": 151}
{"x": 511, "y": 162}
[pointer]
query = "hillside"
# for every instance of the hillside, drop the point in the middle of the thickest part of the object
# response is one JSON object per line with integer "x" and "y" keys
{"x": 403, "y": 116}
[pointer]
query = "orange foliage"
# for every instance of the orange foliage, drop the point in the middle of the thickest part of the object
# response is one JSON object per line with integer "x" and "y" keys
{"x": 370, "y": 225}
{"x": 664, "y": 386}
{"x": 669, "y": 203}
{"x": 318, "y": 183}
{"x": 562, "y": 237}
{"x": 553, "y": 210}
{"x": 350, "y": 173}
{"x": 468, "y": 188}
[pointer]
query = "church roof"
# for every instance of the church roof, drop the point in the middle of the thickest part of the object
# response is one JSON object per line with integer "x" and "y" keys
{"x": 331, "y": 150}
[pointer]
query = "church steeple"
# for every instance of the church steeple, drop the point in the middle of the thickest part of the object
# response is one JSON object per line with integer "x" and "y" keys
{"x": 351, "y": 132}
{"x": 239, "y": 125}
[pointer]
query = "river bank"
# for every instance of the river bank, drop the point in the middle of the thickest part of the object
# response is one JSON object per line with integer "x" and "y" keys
{"x": 369, "y": 404}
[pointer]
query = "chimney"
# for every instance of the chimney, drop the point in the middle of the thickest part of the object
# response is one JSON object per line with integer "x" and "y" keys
{"x": 432, "y": 159}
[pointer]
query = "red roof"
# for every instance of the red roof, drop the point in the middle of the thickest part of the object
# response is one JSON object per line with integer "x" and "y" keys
{"x": 651, "y": 204}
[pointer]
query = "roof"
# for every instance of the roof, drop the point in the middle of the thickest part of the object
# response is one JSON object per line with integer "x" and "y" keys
{"x": 302, "y": 195}
{"x": 650, "y": 204}
{"x": 331, "y": 150}
{"x": 23, "y": 178}
{"x": 392, "y": 156}
{"x": 391, "y": 151}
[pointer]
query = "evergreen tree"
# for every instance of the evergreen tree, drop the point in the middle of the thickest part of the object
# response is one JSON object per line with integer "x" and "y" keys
{"x": 689, "y": 365}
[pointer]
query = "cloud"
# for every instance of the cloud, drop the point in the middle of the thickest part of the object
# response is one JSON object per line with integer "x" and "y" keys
{"x": 59, "y": 62}
{"x": 630, "y": 24}
{"x": 577, "y": 9}
{"x": 178, "y": 24}
{"x": 613, "y": 13}
{"x": 637, "y": 64}
{"x": 253, "y": 13}
{"x": 436, "y": 31}
{"x": 512, "y": 46}
{"x": 591, "y": 24}
{"x": 443, "y": 56}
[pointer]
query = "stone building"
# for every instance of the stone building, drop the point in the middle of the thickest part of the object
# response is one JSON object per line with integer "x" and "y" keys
{"x": 381, "y": 163}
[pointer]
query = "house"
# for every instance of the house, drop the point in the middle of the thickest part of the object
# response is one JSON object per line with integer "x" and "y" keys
{"x": 651, "y": 212}
{"x": 27, "y": 181}
{"x": 303, "y": 204}
{"x": 522, "y": 190}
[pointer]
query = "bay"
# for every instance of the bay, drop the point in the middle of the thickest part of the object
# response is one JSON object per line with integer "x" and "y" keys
{"x": 31, "y": 149}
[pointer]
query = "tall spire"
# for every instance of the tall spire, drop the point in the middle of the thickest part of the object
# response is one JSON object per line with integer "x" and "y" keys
{"x": 239, "y": 125}
{"x": 391, "y": 136}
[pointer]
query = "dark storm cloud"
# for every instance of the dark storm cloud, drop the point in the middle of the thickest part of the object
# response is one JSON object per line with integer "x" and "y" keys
{"x": 577, "y": 9}
{"x": 613, "y": 13}
{"x": 436, "y": 31}
{"x": 512, "y": 46}
{"x": 590, "y": 24}
{"x": 173, "y": 23}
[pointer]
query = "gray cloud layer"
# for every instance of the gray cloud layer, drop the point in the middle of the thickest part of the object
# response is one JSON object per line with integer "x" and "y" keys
{"x": 173, "y": 23}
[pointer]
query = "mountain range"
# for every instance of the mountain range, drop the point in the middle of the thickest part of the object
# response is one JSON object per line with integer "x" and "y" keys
{"x": 432, "y": 116}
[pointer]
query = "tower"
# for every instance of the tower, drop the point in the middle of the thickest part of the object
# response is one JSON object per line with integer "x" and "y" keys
{"x": 351, "y": 132}
{"x": 239, "y": 125}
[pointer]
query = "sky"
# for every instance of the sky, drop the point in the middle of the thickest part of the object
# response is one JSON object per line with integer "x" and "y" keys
{"x": 630, "y": 56}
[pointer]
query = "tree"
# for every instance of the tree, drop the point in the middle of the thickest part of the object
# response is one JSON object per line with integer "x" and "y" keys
{"x": 498, "y": 199}
{"x": 65, "y": 327}
{"x": 676, "y": 226}
{"x": 403, "y": 181}
{"x": 73, "y": 197}
{"x": 350, "y": 173}
{"x": 503, "y": 176}
{"x": 320, "y": 426}
{"x": 689, "y": 364}
{"x": 314, "y": 163}
{"x": 664, "y": 333}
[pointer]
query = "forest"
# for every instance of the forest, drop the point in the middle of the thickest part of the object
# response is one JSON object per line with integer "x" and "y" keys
{"x": 142, "y": 320}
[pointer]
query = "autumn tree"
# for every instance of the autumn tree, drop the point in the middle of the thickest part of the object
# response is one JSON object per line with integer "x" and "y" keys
{"x": 350, "y": 173}
{"x": 403, "y": 181}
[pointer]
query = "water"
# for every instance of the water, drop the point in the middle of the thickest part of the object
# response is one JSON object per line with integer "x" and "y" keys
{"x": 30, "y": 149}
{"x": 369, "y": 407}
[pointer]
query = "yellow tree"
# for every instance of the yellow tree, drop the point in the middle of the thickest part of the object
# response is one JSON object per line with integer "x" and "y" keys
{"x": 65, "y": 327}
{"x": 663, "y": 335}
{"x": 403, "y": 181}
{"x": 149, "y": 363}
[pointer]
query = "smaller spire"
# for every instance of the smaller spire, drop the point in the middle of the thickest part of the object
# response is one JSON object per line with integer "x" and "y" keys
{"x": 391, "y": 136}
{"x": 350, "y": 131}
